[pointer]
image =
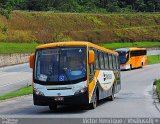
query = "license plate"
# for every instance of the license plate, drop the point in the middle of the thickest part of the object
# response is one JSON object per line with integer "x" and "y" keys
{"x": 59, "y": 98}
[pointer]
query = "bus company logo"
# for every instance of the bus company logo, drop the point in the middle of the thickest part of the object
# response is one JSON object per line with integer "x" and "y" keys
{"x": 104, "y": 76}
{"x": 107, "y": 76}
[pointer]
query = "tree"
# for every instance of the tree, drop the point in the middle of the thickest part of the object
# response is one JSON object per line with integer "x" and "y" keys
{"x": 68, "y": 5}
{"x": 113, "y": 6}
{"x": 6, "y": 6}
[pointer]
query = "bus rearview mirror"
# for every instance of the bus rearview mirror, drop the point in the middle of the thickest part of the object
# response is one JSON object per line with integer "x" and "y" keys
{"x": 91, "y": 57}
{"x": 126, "y": 55}
{"x": 31, "y": 61}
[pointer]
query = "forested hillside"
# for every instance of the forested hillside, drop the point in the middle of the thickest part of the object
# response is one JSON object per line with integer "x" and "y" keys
{"x": 94, "y": 6}
{"x": 44, "y": 27}
{"x": 68, "y": 20}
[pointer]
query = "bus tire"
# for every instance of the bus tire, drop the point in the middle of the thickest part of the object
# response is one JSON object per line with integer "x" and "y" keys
{"x": 111, "y": 98}
{"x": 130, "y": 67}
{"x": 93, "y": 105}
{"x": 142, "y": 65}
{"x": 53, "y": 107}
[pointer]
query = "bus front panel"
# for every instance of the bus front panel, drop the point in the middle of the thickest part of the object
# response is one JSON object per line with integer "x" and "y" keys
{"x": 60, "y": 76}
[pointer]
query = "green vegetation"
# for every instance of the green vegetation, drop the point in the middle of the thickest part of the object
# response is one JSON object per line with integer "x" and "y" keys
{"x": 6, "y": 48}
{"x": 20, "y": 92}
{"x": 154, "y": 59}
{"x": 6, "y": 6}
{"x": 134, "y": 44}
{"x": 158, "y": 88}
{"x": 30, "y": 27}
{"x": 95, "y": 6}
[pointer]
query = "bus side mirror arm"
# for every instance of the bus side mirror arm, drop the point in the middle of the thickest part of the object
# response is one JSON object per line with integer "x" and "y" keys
{"x": 31, "y": 61}
{"x": 91, "y": 57}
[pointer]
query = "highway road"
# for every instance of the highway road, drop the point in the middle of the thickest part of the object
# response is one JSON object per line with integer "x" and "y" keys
{"x": 134, "y": 100}
{"x": 14, "y": 77}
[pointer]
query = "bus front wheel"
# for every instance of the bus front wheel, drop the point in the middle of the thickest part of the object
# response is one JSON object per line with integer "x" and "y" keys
{"x": 130, "y": 67}
{"x": 93, "y": 105}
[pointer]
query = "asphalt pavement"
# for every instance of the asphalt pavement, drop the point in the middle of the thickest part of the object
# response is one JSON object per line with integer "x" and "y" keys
{"x": 134, "y": 100}
{"x": 14, "y": 77}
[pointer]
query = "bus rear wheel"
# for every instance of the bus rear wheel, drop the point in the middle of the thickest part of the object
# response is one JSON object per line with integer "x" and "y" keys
{"x": 111, "y": 98}
{"x": 53, "y": 107}
{"x": 142, "y": 65}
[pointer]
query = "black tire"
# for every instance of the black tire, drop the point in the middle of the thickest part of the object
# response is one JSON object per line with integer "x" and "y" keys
{"x": 142, "y": 65}
{"x": 94, "y": 104}
{"x": 111, "y": 98}
{"x": 53, "y": 107}
{"x": 130, "y": 67}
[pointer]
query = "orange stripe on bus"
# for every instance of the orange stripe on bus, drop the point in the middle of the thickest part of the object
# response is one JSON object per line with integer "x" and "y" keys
{"x": 93, "y": 84}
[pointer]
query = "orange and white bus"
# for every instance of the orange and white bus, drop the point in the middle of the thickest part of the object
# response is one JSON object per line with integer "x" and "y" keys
{"x": 74, "y": 73}
{"x": 132, "y": 57}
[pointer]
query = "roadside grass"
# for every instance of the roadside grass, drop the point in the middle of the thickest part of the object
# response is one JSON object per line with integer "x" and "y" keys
{"x": 158, "y": 88}
{"x": 18, "y": 93}
{"x": 153, "y": 59}
{"x": 134, "y": 44}
{"x": 7, "y": 48}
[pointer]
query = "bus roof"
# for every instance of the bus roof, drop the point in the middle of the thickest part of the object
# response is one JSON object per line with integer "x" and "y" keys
{"x": 136, "y": 48}
{"x": 130, "y": 49}
{"x": 76, "y": 43}
{"x": 122, "y": 49}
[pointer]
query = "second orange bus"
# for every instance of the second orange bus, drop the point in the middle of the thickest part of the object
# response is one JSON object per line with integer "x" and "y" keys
{"x": 132, "y": 57}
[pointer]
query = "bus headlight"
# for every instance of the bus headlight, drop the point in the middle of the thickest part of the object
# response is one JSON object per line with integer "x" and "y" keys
{"x": 37, "y": 92}
{"x": 81, "y": 91}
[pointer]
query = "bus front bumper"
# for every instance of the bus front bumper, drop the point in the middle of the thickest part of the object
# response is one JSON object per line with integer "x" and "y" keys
{"x": 125, "y": 67}
{"x": 80, "y": 99}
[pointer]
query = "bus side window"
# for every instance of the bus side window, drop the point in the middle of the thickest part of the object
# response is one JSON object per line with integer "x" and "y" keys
{"x": 115, "y": 58}
{"x": 133, "y": 53}
{"x": 101, "y": 60}
{"x": 97, "y": 60}
{"x": 137, "y": 53}
{"x": 106, "y": 61}
{"x": 113, "y": 62}
{"x": 117, "y": 63}
{"x": 110, "y": 61}
{"x": 144, "y": 52}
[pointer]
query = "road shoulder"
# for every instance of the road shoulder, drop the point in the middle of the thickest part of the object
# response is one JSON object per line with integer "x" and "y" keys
{"x": 156, "y": 99}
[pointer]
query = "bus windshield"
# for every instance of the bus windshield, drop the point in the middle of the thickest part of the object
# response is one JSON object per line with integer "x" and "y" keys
{"x": 60, "y": 64}
{"x": 123, "y": 55}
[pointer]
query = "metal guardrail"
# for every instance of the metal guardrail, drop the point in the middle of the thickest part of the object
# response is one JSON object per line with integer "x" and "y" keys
{"x": 153, "y": 52}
